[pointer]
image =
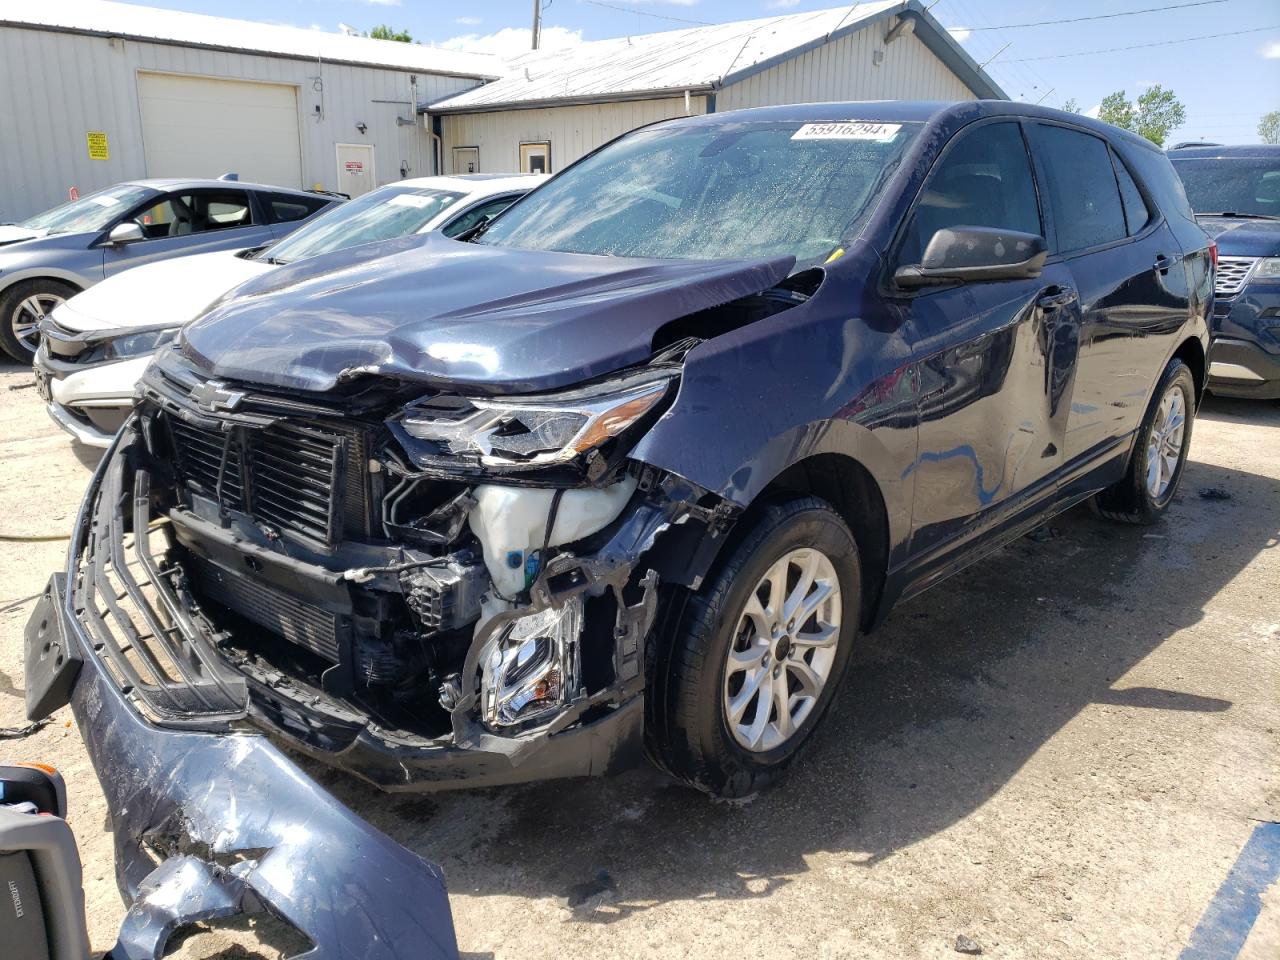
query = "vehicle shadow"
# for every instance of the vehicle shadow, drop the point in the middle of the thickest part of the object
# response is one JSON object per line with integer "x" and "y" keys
{"x": 940, "y": 708}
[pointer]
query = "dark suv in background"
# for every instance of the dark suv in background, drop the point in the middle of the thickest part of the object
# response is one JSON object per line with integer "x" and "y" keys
{"x": 636, "y": 462}
{"x": 1235, "y": 192}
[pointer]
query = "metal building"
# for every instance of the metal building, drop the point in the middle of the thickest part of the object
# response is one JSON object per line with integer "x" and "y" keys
{"x": 92, "y": 93}
{"x": 551, "y": 107}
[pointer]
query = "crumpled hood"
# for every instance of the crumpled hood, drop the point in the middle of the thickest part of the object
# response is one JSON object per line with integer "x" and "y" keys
{"x": 431, "y": 309}
{"x": 1237, "y": 237}
{"x": 164, "y": 294}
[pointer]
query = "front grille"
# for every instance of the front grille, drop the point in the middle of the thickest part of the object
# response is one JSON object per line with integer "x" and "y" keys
{"x": 282, "y": 614}
{"x": 303, "y": 479}
{"x": 1233, "y": 273}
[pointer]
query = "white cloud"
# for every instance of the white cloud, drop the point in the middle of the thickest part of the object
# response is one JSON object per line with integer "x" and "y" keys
{"x": 959, "y": 34}
{"x": 383, "y": 3}
{"x": 467, "y": 21}
{"x": 1272, "y": 51}
{"x": 1094, "y": 111}
{"x": 513, "y": 41}
{"x": 782, "y": 4}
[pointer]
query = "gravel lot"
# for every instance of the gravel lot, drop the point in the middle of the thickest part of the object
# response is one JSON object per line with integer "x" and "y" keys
{"x": 1059, "y": 753}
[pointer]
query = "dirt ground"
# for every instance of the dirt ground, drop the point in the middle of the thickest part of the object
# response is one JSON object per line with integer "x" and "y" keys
{"x": 1059, "y": 753}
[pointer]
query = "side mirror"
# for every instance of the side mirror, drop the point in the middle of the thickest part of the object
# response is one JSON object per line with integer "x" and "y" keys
{"x": 969, "y": 254}
{"x": 126, "y": 232}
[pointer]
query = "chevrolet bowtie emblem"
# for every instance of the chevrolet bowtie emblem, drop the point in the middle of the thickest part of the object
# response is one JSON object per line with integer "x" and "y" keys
{"x": 213, "y": 396}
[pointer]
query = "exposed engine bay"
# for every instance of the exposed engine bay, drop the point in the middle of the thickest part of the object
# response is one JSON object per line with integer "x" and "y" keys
{"x": 399, "y": 593}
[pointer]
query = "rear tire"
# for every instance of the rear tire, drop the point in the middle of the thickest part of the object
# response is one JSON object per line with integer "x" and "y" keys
{"x": 771, "y": 629}
{"x": 22, "y": 306}
{"x": 1159, "y": 453}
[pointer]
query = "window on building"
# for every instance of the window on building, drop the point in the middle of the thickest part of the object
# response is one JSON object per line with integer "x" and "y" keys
{"x": 535, "y": 157}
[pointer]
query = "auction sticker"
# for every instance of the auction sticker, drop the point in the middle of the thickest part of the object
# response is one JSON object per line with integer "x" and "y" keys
{"x": 847, "y": 130}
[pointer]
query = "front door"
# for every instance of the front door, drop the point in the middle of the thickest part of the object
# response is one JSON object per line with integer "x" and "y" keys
{"x": 355, "y": 169}
{"x": 993, "y": 360}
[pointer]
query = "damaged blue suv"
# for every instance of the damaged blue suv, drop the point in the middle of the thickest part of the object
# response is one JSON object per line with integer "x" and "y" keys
{"x": 631, "y": 466}
{"x": 1235, "y": 192}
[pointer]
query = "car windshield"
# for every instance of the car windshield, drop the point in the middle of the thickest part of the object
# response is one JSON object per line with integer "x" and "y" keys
{"x": 94, "y": 212}
{"x": 1242, "y": 186}
{"x": 382, "y": 214}
{"x": 702, "y": 191}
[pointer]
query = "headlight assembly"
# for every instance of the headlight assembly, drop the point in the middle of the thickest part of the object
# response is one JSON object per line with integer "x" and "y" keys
{"x": 129, "y": 345}
{"x": 1268, "y": 268}
{"x": 541, "y": 431}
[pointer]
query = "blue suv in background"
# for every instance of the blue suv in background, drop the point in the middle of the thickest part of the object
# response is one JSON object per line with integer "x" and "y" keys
{"x": 1235, "y": 192}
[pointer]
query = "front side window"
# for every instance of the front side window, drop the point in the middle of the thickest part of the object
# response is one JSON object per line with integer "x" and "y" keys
{"x": 195, "y": 211}
{"x": 982, "y": 180}
{"x": 94, "y": 212}
{"x": 477, "y": 213}
{"x": 707, "y": 191}
{"x": 1081, "y": 186}
{"x": 382, "y": 214}
{"x": 1230, "y": 185}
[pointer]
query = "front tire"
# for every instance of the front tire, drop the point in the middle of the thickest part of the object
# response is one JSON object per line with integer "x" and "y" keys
{"x": 751, "y": 661}
{"x": 22, "y": 307}
{"x": 1159, "y": 453}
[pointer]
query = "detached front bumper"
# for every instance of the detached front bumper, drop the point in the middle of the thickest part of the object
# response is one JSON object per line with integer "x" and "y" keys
{"x": 213, "y": 824}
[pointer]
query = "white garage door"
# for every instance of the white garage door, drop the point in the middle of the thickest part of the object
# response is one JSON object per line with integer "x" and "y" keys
{"x": 201, "y": 127}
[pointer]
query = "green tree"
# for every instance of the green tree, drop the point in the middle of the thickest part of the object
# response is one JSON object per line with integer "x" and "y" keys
{"x": 1117, "y": 109}
{"x": 1157, "y": 112}
{"x": 1072, "y": 106}
{"x": 383, "y": 32}
{"x": 1269, "y": 127}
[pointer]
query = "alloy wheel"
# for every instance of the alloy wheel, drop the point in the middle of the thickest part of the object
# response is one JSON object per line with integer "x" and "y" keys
{"x": 26, "y": 318}
{"x": 1164, "y": 446}
{"x": 783, "y": 650}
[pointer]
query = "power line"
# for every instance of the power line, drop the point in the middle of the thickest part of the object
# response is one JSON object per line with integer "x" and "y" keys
{"x": 1142, "y": 46}
{"x": 647, "y": 13}
{"x": 1101, "y": 16}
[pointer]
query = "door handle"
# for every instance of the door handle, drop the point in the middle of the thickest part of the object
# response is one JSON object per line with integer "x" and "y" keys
{"x": 1163, "y": 264}
{"x": 1055, "y": 297}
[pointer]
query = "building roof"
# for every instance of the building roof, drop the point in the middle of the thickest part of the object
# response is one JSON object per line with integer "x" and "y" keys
{"x": 101, "y": 18}
{"x": 696, "y": 59}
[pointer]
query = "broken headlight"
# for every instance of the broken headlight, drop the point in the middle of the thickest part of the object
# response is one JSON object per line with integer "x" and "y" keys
{"x": 536, "y": 431}
{"x": 532, "y": 670}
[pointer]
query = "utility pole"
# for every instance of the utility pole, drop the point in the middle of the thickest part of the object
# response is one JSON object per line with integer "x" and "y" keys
{"x": 537, "y": 22}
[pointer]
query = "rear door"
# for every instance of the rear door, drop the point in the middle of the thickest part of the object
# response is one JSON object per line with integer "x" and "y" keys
{"x": 1127, "y": 266}
{"x": 189, "y": 221}
{"x": 994, "y": 359}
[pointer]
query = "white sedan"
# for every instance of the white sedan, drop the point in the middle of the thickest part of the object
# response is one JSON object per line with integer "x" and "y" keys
{"x": 95, "y": 346}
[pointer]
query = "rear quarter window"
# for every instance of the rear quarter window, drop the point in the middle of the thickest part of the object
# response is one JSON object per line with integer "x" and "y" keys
{"x": 1158, "y": 176}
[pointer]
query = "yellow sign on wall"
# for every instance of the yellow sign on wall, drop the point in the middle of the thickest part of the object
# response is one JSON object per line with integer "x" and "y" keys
{"x": 97, "y": 145}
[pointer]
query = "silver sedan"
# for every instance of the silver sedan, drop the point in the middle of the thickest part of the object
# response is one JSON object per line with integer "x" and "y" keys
{"x": 54, "y": 255}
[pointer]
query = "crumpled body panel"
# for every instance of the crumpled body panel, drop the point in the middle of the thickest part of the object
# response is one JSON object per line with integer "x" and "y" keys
{"x": 427, "y": 309}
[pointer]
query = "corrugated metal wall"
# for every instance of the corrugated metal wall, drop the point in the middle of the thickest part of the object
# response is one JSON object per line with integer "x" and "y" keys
{"x": 55, "y": 87}
{"x": 572, "y": 131}
{"x": 843, "y": 70}
{"x": 846, "y": 70}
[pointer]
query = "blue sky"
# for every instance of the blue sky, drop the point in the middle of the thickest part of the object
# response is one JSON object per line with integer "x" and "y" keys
{"x": 1226, "y": 83}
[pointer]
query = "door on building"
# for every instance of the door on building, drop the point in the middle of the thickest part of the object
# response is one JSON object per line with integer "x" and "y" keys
{"x": 535, "y": 157}
{"x": 355, "y": 168}
{"x": 205, "y": 127}
{"x": 466, "y": 159}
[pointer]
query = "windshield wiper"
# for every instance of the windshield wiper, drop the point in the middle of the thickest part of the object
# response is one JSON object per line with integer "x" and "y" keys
{"x": 1240, "y": 216}
{"x": 470, "y": 236}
